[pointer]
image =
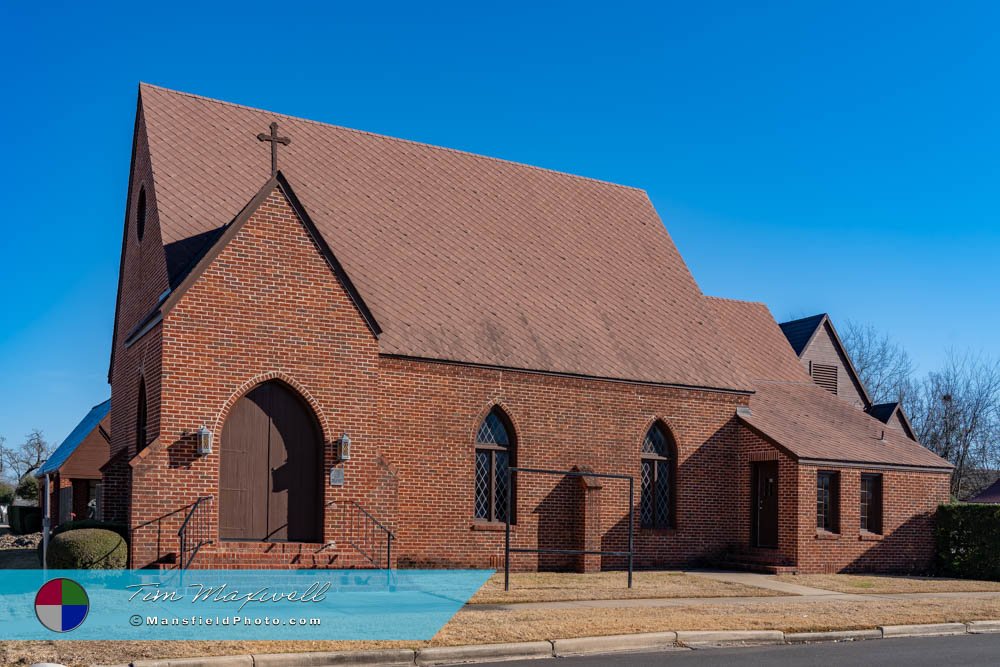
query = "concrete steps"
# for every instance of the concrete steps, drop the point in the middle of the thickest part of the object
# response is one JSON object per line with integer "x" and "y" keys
{"x": 749, "y": 559}
{"x": 278, "y": 555}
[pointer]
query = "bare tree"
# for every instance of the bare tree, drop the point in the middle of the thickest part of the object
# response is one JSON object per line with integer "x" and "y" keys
{"x": 956, "y": 413}
{"x": 21, "y": 461}
{"x": 884, "y": 366}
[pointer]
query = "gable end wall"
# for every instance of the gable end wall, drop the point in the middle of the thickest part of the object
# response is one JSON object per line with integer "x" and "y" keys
{"x": 823, "y": 349}
{"x": 268, "y": 306}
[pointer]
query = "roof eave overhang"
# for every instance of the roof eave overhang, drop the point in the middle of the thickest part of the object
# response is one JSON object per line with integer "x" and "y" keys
{"x": 871, "y": 465}
{"x": 121, "y": 259}
{"x": 843, "y": 463}
{"x": 565, "y": 374}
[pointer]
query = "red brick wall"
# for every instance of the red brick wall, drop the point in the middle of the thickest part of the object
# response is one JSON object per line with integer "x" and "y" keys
{"x": 907, "y": 543}
{"x": 429, "y": 414}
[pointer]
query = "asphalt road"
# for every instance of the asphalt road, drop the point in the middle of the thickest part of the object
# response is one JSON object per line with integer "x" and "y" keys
{"x": 959, "y": 651}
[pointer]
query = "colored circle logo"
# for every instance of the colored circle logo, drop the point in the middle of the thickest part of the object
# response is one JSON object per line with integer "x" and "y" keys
{"x": 61, "y": 605}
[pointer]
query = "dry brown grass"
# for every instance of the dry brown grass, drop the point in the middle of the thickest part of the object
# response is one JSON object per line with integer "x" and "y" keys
{"x": 561, "y": 586}
{"x": 472, "y": 626}
{"x": 877, "y": 584}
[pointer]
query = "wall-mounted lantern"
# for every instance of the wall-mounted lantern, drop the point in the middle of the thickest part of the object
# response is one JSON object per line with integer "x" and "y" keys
{"x": 344, "y": 448}
{"x": 204, "y": 437}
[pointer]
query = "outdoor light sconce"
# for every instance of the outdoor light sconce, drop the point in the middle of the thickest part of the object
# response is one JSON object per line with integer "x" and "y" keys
{"x": 344, "y": 448}
{"x": 204, "y": 441}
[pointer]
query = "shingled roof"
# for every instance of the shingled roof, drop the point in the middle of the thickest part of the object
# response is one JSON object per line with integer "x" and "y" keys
{"x": 802, "y": 418}
{"x": 97, "y": 418}
{"x": 757, "y": 342}
{"x": 883, "y": 411}
{"x": 814, "y": 425}
{"x": 459, "y": 257}
{"x": 800, "y": 332}
{"x": 989, "y": 495}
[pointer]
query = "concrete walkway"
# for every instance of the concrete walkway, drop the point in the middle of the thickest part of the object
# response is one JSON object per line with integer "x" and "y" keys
{"x": 766, "y": 581}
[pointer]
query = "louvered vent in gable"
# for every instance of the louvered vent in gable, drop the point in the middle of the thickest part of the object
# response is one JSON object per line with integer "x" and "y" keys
{"x": 825, "y": 375}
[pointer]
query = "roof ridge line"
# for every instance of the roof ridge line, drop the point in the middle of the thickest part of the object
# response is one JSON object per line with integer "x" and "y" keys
{"x": 803, "y": 319}
{"x": 732, "y": 300}
{"x": 804, "y": 383}
{"x": 412, "y": 142}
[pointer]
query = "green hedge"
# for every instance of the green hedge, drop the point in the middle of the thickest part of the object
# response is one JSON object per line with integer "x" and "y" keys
{"x": 65, "y": 526}
{"x": 87, "y": 549}
{"x": 968, "y": 541}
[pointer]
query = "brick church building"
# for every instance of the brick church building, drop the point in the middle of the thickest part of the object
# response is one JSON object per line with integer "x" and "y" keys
{"x": 325, "y": 337}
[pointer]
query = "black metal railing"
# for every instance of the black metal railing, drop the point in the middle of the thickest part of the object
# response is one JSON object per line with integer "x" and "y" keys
{"x": 195, "y": 531}
{"x": 364, "y": 533}
{"x": 159, "y": 533}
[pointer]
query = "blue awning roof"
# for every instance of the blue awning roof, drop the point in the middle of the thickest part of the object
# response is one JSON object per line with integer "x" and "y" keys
{"x": 73, "y": 440}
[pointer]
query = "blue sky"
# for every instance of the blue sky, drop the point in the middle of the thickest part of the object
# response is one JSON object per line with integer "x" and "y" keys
{"x": 818, "y": 156}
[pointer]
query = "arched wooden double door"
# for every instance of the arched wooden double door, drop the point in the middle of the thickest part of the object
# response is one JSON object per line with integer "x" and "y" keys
{"x": 271, "y": 468}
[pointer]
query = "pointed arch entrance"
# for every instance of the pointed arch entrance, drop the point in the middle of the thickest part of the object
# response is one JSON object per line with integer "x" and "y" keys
{"x": 271, "y": 468}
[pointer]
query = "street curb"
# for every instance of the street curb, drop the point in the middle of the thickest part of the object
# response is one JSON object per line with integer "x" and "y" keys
{"x": 704, "y": 638}
{"x": 983, "y": 627}
{"x": 836, "y": 636}
{"x": 447, "y": 655}
{"x": 614, "y": 643}
{"x": 222, "y": 661}
{"x": 442, "y": 655}
{"x": 383, "y": 658}
{"x": 927, "y": 630}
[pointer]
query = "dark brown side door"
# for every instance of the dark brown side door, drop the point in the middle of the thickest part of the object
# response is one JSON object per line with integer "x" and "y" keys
{"x": 270, "y": 473}
{"x": 764, "y": 480}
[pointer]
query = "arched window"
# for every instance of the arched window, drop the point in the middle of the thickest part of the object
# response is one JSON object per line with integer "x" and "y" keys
{"x": 495, "y": 453}
{"x": 140, "y": 417}
{"x": 140, "y": 213}
{"x": 659, "y": 457}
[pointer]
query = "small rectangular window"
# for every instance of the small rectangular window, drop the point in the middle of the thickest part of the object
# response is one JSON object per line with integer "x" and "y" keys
{"x": 827, "y": 501}
{"x": 871, "y": 503}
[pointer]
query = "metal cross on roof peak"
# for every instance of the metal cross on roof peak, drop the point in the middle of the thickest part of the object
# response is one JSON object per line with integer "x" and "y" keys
{"x": 275, "y": 140}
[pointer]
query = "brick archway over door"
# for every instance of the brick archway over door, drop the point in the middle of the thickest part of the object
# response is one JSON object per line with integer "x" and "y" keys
{"x": 271, "y": 468}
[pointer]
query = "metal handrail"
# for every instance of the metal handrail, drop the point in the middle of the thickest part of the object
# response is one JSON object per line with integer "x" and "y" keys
{"x": 182, "y": 533}
{"x": 389, "y": 535}
{"x": 191, "y": 513}
{"x": 372, "y": 518}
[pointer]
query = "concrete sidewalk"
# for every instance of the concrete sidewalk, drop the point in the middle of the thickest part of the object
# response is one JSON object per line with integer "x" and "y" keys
{"x": 766, "y": 581}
